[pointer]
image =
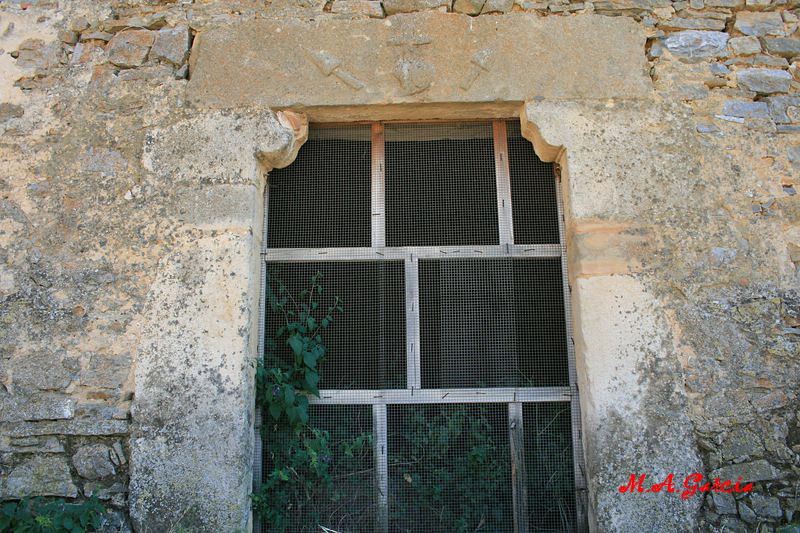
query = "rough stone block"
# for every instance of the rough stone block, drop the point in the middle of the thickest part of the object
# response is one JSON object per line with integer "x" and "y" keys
{"x": 692, "y": 24}
{"x": 27, "y": 371}
{"x": 766, "y": 506}
{"x": 783, "y": 46}
{"x": 497, "y": 6}
{"x": 468, "y": 7}
{"x": 695, "y": 44}
{"x": 129, "y": 48}
{"x": 44, "y": 475}
{"x": 759, "y": 24}
{"x": 409, "y": 6}
{"x": 18, "y": 408}
{"x": 731, "y": 4}
{"x": 745, "y": 46}
{"x": 736, "y": 108}
{"x": 106, "y": 371}
{"x": 93, "y": 462}
{"x": 723, "y": 503}
{"x": 171, "y": 45}
{"x": 358, "y": 8}
{"x": 764, "y": 81}
{"x": 759, "y": 470}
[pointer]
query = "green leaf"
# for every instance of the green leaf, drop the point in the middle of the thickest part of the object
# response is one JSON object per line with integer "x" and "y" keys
{"x": 312, "y": 379}
{"x": 275, "y": 410}
{"x": 288, "y": 394}
{"x": 296, "y": 343}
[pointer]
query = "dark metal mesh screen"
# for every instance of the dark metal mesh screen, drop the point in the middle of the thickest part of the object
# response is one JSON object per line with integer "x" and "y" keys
{"x": 548, "y": 461}
{"x": 440, "y": 185}
{"x": 492, "y": 323}
{"x": 449, "y": 468}
{"x": 366, "y": 346}
{"x": 323, "y": 198}
{"x": 345, "y": 501}
{"x": 412, "y": 431}
{"x": 533, "y": 192}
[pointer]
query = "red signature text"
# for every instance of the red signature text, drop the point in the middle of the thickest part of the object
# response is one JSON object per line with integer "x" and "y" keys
{"x": 691, "y": 485}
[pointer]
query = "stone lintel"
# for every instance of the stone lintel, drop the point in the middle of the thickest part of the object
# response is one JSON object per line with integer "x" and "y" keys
{"x": 420, "y": 58}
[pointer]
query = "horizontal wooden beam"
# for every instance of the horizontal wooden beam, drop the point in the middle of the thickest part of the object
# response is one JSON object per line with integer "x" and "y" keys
{"x": 409, "y": 396}
{"x": 412, "y": 252}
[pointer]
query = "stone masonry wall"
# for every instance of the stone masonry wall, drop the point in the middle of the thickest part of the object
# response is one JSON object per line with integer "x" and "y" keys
{"x": 684, "y": 225}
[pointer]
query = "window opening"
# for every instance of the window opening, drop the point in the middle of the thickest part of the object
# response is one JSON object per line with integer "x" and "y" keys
{"x": 452, "y": 355}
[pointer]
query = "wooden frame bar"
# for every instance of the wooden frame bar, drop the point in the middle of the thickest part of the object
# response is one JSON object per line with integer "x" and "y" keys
{"x": 519, "y": 478}
{"x": 380, "y": 433}
{"x": 302, "y": 255}
{"x": 378, "y": 188}
{"x": 413, "y": 358}
{"x": 412, "y": 396}
{"x": 503, "y": 175}
{"x": 581, "y": 489}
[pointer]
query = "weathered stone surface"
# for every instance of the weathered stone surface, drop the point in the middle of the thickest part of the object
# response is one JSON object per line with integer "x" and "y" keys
{"x": 9, "y": 111}
{"x": 745, "y": 46}
{"x": 759, "y": 470}
{"x": 46, "y": 475}
{"x": 737, "y": 108}
{"x": 468, "y": 7}
{"x": 225, "y": 74}
{"x": 498, "y": 6}
{"x": 171, "y": 45}
{"x": 129, "y": 48}
{"x": 193, "y": 373}
{"x": 17, "y": 407}
{"x": 783, "y": 46}
{"x": 761, "y": 60}
{"x": 733, "y": 4}
{"x": 409, "y": 6}
{"x": 358, "y": 8}
{"x": 93, "y": 462}
{"x": 106, "y": 372}
{"x": 678, "y": 23}
{"x": 67, "y": 427}
{"x": 27, "y": 371}
{"x": 764, "y": 81}
{"x": 759, "y": 24}
{"x": 766, "y": 506}
{"x": 724, "y": 503}
{"x": 697, "y": 44}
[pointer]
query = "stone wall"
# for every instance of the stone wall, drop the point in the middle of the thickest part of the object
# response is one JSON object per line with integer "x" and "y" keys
{"x": 130, "y": 225}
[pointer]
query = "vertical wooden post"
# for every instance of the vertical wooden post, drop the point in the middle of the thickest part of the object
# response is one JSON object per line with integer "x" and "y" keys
{"x": 378, "y": 207}
{"x": 581, "y": 490}
{"x": 519, "y": 481}
{"x": 503, "y": 182}
{"x": 413, "y": 370}
{"x": 381, "y": 468}
{"x": 378, "y": 240}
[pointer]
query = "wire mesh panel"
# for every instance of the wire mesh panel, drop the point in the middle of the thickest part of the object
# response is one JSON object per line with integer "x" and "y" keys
{"x": 326, "y": 476}
{"x": 492, "y": 323}
{"x": 440, "y": 185}
{"x": 365, "y": 342}
{"x": 449, "y": 468}
{"x": 323, "y": 198}
{"x": 533, "y": 192}
{"x": 443, "y": 390}
{"x": 549, "y": 466}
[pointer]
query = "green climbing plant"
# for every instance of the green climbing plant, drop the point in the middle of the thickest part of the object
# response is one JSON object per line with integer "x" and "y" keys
{"x": 303, "y": 460}
{"x": 40, "y": 515}
{"x": 451, "y": 471}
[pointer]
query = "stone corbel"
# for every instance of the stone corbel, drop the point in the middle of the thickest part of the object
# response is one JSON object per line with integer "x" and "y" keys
{"x": 296, "y": 127}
